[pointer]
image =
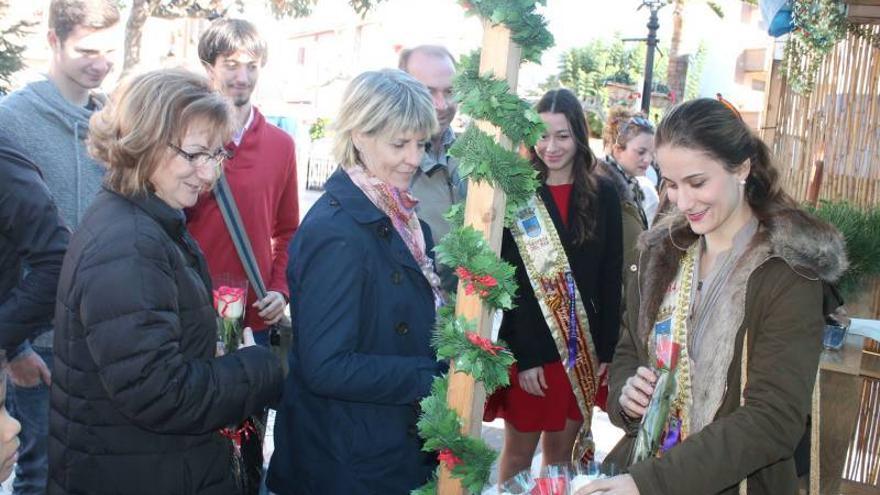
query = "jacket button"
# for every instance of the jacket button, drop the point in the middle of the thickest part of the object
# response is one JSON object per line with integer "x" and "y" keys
{"x": 333, "y": 202}
{"x": 633, "y": 268}
{"x": 402, "y": 328}
{"x": 384, "y": 231}
{"x": 396, "y": 277}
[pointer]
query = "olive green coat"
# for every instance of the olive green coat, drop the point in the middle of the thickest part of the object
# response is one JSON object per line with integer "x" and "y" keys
{"x": 775, "y": 295}
{"x": 631, "y": 221}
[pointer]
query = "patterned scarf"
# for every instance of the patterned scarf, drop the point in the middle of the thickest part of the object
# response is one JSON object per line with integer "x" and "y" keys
{"x": 400, "y": 206}
{"x": 638, "y": 196}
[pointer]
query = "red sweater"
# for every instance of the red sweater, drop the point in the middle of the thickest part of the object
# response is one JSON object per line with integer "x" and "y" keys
{"x": 561, "y": 196}
{"x": 262, "y": 177}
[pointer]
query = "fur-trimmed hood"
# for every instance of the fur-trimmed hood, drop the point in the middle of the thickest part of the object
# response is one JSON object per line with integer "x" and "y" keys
{"x": 808, "y": 244}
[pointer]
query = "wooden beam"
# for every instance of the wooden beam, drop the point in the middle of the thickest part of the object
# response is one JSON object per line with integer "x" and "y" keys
{"x": 863, "y": 14}
{"x": 772, "y": 104}
{"x": 862, "y": 2}
{"x": 815, "y": 184}
{"x": 484, "y": 210}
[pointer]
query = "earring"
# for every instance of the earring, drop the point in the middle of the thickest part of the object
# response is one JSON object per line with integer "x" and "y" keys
{"x": 742, "y": 182}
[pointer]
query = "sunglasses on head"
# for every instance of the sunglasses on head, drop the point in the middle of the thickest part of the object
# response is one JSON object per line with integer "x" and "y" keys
{"x": 637, "y": 121}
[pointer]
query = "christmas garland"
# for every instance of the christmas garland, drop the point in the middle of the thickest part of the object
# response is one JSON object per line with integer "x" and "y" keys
{"x": 488, "y": 98}
{"x": 456, "y": 340}
{"x": 528, "y": 29}
{"x": 482, "y": 159}
{"x": 468, "y": 458}
{"x": 465, "y": 250}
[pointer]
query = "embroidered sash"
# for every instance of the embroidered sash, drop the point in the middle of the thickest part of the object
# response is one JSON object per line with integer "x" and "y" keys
{"x": 666, "y": 422}
{"x": 560, "y": 301}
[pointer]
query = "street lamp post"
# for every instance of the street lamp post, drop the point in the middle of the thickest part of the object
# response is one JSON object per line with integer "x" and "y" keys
{"x": 653, "y": 25}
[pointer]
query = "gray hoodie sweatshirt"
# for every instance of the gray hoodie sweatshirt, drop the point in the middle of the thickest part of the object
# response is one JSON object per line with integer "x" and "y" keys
{"x": 51, "y": 132}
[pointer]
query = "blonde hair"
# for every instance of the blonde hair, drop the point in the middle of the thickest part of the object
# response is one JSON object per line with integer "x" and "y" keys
{"x": 132, "y": 134}
{"x": 384, "y": 102}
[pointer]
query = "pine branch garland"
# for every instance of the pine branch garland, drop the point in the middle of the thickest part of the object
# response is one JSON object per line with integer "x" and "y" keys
{"x": 466, "y": 247}
{"x": 440, "y": 426}
{"x": 481, "y": 159}
{"x": 455, "y": 339}
{"x": 488, "y": 98}
{"x": 527, "y": 28}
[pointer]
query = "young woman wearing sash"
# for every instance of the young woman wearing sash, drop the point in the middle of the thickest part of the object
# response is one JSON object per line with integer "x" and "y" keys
{"x": 721, "y": 355}
{"x": 567, "y": 249}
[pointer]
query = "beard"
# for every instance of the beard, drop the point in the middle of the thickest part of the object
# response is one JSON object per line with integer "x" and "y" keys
{"x": 240, "y": 96}
{"x": 241, "y": 100}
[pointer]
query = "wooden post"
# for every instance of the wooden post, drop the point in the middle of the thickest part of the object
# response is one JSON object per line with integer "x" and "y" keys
{"x": 814, "y": 187}
{"x": 772, "y": 103}
{"x": 484, "y": 211}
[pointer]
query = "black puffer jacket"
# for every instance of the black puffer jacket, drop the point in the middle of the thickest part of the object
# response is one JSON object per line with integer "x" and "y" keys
{"x": 137, "y": 396}
{"x": 32, "y": 235}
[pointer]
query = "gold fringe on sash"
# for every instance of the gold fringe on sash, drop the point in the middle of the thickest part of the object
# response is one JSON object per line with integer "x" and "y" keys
{"x": 546, "y": 265}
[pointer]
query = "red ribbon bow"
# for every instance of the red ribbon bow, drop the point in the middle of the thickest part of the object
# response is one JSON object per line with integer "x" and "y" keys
{"x": 483, "y": 343}
{"x": 479, "y": 284}
{"x": 451, "y": 460}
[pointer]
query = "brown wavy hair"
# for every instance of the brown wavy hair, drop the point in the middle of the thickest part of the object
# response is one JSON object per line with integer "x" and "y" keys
{"x": 620, "y": 129}
{"x": 131, "y": 135}
{"x": 67, "y": 15}
{"x": 584, "y": 191}
{"x": 709, "y": 126}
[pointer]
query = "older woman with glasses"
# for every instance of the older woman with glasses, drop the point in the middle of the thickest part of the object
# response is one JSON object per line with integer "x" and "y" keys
{"x": 138, "y": 397}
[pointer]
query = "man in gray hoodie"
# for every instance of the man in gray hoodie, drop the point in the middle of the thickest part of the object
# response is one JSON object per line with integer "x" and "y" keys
{"x": 49, "y": 120}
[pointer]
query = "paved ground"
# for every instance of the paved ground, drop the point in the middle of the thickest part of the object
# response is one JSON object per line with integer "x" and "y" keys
{"x": 605, "y": 435}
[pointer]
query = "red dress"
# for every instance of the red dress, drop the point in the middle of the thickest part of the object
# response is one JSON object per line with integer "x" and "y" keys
{"x": 527, "y": 412}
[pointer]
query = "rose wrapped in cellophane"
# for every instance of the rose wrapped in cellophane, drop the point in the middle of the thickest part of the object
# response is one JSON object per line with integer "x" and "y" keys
{"x": 660, "y": 430}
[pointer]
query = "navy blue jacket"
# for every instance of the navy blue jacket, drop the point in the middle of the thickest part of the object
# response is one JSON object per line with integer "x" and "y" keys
{"x": 33, "y": 239}
{"x": 363, "y": 314}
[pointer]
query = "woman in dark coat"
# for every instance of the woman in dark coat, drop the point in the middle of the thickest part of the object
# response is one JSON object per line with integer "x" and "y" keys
{"x": 138, "y": 396}
{"x": 363, "y": 298}
{"x": 553, "y": 389}
{"x": 727, "y": 329}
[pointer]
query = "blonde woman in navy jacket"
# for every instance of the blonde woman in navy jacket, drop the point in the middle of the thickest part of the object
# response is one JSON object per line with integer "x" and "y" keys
{"x": 363, "y": 299}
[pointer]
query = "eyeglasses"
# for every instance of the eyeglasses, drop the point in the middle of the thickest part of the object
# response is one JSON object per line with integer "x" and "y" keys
{"x": 203, "y": 158}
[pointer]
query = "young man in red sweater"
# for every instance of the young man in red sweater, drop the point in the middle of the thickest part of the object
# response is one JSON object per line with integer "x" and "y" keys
{"x": 261, "y": 175}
